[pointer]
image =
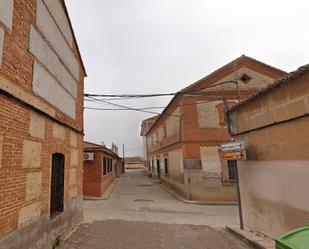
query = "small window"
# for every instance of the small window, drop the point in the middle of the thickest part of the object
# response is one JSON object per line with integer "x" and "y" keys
{"x": 166, "y": 166}
{"x": 104, "y": 166}
{"x": 232, "y": 170}
{"x": 245, "y": 78}
{"x": 57, "y": 185}
{"x": 111, "y": 165}
{"x": 108, "y": 165}
{"x": 164, "y": 131}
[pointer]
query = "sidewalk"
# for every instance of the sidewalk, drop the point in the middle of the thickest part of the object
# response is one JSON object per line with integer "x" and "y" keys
{"x": 179, "y": 197}
{"x": 255, "y": 239}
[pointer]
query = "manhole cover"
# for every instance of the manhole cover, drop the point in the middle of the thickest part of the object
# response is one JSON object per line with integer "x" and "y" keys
{"x": 143, "y": 200}
{"x": 144, "y": 185}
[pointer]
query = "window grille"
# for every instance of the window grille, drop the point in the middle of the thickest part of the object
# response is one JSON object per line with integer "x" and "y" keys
{"x": 57, "y": 185}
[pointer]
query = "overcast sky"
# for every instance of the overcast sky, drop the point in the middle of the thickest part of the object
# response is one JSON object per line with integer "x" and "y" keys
{"x": 158, "y": 46}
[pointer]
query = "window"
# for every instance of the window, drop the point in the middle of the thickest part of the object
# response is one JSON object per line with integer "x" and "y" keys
{"x": 104, "y": 166}
{"x": 245, "y": 78}
{"x": 107, "y": 165}
{"x": 166, "y": 166}
{"x": 111, "y": 165}
{"x": 158, "y": 168}
{"x": 164, "y": 131}
{"x": 232, "y": 169}
{"x": 57, "y": 185}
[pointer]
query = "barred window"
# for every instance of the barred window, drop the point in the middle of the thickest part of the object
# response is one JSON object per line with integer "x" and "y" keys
{"x": 57, "y": 185}
{"x": 104, "y": 166}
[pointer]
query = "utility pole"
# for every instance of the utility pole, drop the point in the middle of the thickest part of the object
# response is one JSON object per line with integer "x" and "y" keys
{"x": 236, "y": 82}
{"x": 228, "y": 124}
{"x": 123, "y": 156}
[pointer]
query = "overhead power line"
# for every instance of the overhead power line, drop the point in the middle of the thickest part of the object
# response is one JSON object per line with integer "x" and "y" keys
{"x": 191, "y": 92}
{"x": 123, "y": 106}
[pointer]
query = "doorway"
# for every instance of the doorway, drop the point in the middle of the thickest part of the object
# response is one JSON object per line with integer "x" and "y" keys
{"x": 158, "y": 167}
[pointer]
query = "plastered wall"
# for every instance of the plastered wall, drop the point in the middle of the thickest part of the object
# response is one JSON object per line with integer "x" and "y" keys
{"x": 274, "y": 195}
{"x": 274, "y": 178}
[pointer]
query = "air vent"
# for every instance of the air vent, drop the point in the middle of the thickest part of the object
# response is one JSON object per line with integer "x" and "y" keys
{"x": 245, "y": 78}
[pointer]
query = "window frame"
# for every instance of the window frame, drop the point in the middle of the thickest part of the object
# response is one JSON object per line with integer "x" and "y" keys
{"x": 231, "y": 170}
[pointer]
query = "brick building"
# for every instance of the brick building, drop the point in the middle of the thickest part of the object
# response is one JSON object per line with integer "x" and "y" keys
{"x": 145, "y": 127}
{"x": 274, "y": 126}
{"x": 101, "y": 165}
{"x": 41, "y": 124}
{"x": 183, "y": 143}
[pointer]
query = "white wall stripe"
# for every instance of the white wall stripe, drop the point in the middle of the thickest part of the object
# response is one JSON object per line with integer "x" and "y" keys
{"x": 49, "y": 28}
{"x": 6, "y": 12}
{"x": 40, "y": 49}
{"x": 60, "y": 17}
{"x": 46, "y": 87}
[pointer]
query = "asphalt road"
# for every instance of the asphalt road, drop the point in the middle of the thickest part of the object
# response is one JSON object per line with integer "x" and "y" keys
{"x": 140, "y": 214}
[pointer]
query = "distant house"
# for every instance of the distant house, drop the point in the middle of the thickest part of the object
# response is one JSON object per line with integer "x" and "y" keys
{"x": 274, "y": 125}
{"x": 134, "y": 163}
{"x": 101, "y": 165}
{"x": 183, "y": 143}
{"x": 145, "y": 127}
{"x": 41, "y": 124}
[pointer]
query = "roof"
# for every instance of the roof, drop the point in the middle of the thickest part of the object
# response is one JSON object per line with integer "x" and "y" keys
{"x": 74, "y": 37}
{"x": 286, "y": 79}
{"x": 275, "y": 72}
{"x": 146, "y": 122}
{"x": 92, "y": 146}
{"x": 279, "y": 72}
{"x": 152, "y": 118}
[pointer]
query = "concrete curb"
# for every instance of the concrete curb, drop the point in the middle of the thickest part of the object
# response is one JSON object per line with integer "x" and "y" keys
{"x": 106, "y": 195}
{"x": 180, "y": 198}
{"x": 254, "y": 239}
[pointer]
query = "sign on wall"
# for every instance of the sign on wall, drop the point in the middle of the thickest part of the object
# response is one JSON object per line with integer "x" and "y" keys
{"x": 233, "y": 146}
{"x": 233, "y": 151}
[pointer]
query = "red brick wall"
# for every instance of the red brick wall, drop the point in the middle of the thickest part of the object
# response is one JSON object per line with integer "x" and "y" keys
{"x": 95, "y": 183}
{"x": 17, "y": 68}
{"x": 17, "y": 61}
{"x": 14, "y": 127}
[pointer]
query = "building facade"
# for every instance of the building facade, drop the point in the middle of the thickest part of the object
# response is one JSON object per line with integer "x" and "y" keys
{"x": 183, "y": 143}
{"x": 134, "y": 163}
{"x": 41, "y": 124}
{"x": 274, "y": 126}
{"x": 101, "y": 165}
{"x": 145, "y": 127}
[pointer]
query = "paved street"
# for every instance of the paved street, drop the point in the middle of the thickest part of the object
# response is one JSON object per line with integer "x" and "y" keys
{"x": 139, "y": 214}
